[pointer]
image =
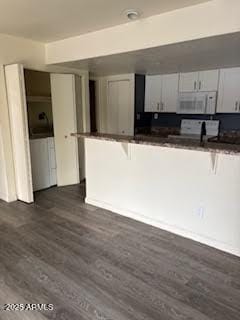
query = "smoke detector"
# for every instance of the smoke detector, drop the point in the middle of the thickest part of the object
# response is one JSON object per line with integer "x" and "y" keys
{"x": 132, "y": 14}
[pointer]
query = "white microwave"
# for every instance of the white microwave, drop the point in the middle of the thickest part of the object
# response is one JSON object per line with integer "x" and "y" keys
{"x": 197, "y": 103}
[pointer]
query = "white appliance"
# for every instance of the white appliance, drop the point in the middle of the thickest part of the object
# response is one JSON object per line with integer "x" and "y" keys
{"x": 191, "y": 129}
{"x": 197, "y": 103}
{"x": 43, "y": 162}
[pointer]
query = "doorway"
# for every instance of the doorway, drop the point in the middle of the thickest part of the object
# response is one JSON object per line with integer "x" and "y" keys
{"x": 40, "y": 126}
{"x": 33, "y": 111}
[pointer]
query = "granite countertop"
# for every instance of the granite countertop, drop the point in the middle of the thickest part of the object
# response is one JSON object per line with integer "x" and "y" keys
{"x": 187, "y": 144}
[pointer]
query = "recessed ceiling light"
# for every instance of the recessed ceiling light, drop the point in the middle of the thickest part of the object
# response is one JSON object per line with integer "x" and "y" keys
{"x": 132, "y": 14}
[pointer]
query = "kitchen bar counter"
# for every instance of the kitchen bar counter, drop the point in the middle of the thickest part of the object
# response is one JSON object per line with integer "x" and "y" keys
{"x": 180, "y": 143}
{"x": 173, "y": 184}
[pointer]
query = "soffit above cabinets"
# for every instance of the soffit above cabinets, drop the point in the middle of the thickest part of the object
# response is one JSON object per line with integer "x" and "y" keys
{"x": 50, "y": 20}
{"x": 208, "y": 53}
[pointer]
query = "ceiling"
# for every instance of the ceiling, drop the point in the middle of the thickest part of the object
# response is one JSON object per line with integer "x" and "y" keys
{"x": 207, "y": 53}
{"x": 49, "y": 20}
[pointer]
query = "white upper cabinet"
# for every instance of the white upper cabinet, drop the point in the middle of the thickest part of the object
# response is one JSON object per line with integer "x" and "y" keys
{"x": 169, "y": 92}
{"x": 199, "y": 81}
{"x": 188, "y": 82}
{"x": 153, "y": 93}
{"x": 208, "y": 80}
{"x": 161, "y": 93}
{"x": 229, "y": 91}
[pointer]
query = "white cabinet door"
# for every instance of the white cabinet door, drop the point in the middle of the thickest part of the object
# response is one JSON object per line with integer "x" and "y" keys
{"x": 229, "y": 91}
{"x": 153, "y": 91}
{"x": 169, "y": 92}
{"x": 19, "y": 128}
{"x": 208, "y": 80}
{"x": 188, "y": 82}
{"x": 199, "y": 81}
{"x": 65, "y": 122}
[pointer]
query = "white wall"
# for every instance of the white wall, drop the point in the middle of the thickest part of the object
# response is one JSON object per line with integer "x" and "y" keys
{"x": 102, "y": 99}
{"x": 191, "y": 193}
{"x": 212, "y": 18}
{"x": 32, "y": 55}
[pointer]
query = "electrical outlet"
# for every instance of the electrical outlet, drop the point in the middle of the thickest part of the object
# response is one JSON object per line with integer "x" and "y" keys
{"x": 155, "y": 116}
{"x": 138, "y": 116}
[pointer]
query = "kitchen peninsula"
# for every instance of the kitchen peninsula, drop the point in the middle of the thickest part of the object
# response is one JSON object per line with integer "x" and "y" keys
{"x": 180, "y": 186}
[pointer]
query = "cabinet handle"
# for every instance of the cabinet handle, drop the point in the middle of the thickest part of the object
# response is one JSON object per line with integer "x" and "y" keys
{"x": 236, "y": 105}
{"x": 162, "y": 107}
{"x": 200, "y": 85}
{"x": 158, "y": 106}
{"x": 195, "y": 85}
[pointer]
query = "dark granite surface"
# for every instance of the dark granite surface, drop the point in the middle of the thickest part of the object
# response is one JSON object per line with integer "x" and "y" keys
{"x": 163, "y": 132}
{"x": 188, "y": 144}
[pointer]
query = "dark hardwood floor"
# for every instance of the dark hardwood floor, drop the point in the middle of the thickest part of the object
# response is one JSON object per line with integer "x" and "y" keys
{"x": 93, "y": 264}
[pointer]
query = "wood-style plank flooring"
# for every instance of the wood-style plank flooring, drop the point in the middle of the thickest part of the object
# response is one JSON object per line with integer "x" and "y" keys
{"x": 93, "y": 264}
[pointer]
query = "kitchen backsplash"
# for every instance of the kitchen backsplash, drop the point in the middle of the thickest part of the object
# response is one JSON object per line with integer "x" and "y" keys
{"x": 228, "y": 122}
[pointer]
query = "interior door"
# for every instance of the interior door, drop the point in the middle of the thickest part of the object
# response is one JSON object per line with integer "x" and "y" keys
{"x": 112, "y": 107}
{"x": 65, "y": 122}
{"x": 14, "y": 76}
{"x": 125, "y": 114}
{"x": 120, "y": 107}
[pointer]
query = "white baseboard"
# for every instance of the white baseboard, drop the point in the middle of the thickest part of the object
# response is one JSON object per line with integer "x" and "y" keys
{"x": 162, "y": 225}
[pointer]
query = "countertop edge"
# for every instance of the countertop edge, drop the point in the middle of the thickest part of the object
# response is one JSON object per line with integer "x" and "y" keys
{"x": 224, "y": 149}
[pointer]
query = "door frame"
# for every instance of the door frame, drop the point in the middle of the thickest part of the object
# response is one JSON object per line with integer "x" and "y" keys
{"x": 92, "y": 102}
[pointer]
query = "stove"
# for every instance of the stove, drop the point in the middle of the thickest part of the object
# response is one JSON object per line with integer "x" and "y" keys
{"x": 191, "y": 129}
